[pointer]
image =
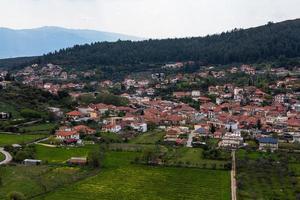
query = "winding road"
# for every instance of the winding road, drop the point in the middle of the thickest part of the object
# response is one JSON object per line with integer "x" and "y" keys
{"x": 7, "y": 155}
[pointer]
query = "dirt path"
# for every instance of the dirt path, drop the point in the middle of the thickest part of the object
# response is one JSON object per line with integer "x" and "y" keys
{"x": 233, "y": 179}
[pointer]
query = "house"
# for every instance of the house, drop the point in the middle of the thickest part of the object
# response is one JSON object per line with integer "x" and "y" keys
{"x": 231, "y": 140}
{"x": 268, "y": 143}
{"x": 67, "y": 133}
{"x": 84, "y": 129}
{"x": 280, "y": 98}
{"x": 4, "y": 115}
{"x": 201, "y": 131}
{"x": 114, "y": 128}
{"x": 181, "y": 94}
{"x": 141, "y": 127}
{"x": 196, "y": 93}
{"x": 74, "y": 115}
{"x": 231, "y": 125}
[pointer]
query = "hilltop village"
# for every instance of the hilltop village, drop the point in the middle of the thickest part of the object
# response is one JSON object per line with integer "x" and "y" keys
{"x": 209, "y": 124}
{"x": 185, "y": 105}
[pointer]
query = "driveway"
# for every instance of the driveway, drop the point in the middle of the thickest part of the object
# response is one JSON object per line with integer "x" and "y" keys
{"x": 7, "y": 155}
{"x": 190, "y": 140}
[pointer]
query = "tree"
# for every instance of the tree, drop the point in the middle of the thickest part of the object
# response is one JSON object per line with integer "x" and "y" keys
{"x": 95, "y": 158}
{"x": 212, "y": 129}
{"x": 258, "y": 124}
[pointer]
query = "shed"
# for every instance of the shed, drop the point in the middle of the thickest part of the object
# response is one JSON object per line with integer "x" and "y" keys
{"x": 29, "y": 162}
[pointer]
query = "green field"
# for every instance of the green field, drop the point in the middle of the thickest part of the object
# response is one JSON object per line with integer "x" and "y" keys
{"x": 192, "y": 157}
{"x": 254, "y": 155}
{"x": 8, "y": 139}
{"x": 36, "y": 180}
{"x": 149, "y": 138}
{"x": 267, "y": 176}
{"x": 121, "y": 180}
{"x": 61, "y": 154}
{"x": 39, "y": 128}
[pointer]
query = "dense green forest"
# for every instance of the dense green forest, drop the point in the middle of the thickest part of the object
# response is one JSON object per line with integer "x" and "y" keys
{"x": 252, "y": 45}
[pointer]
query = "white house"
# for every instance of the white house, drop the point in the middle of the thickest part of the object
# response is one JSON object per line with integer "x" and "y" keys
{"x": 141, "y": 127}
{"x": 232, "y": 140}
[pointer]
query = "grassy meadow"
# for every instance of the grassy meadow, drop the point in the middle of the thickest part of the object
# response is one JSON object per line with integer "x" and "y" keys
{"x": 8, "y": 139}
{"x": 151, "y": 137}
{"x": 61, "y": 154}
{"x": 38, "y": 128}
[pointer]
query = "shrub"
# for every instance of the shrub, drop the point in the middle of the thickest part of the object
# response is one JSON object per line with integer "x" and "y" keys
{"x": 16, "y": 196}
{"x": 28, "y": 113}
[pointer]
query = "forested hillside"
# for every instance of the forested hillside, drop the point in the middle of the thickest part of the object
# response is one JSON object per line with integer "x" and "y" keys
{"x": 250, "y": 45}
{"x": 258, "y": 44}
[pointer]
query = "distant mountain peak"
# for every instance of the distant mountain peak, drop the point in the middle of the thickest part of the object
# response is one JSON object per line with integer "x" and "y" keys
{"x": 42, "y": 40}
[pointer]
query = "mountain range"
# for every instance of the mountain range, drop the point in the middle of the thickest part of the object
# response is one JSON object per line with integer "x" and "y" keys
{"x": 39, "y": 41}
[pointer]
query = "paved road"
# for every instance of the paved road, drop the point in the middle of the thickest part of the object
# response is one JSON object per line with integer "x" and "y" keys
{"x": 233, "y": 175}
{"x": 7, "y": 155}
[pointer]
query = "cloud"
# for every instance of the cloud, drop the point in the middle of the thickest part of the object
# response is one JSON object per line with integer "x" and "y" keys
{"x": 147, "y": 18}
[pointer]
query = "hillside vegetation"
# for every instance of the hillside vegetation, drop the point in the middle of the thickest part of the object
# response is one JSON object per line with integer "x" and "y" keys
{"x": 250, "y": 45}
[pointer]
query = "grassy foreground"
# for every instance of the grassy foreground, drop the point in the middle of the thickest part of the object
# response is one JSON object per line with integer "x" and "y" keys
{"x": 121, "y": 180}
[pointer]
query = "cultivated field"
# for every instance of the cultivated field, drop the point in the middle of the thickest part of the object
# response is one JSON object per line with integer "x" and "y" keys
{"x": 267, "y": 176}
{"x": 36, "y": 180}
{"x": 121, "y": 180}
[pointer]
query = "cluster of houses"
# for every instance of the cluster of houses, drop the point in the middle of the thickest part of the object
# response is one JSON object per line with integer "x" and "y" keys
{"x": 232, "y": 110}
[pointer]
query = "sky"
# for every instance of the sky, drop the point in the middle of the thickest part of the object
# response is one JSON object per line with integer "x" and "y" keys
{"x": 147, "y": 18}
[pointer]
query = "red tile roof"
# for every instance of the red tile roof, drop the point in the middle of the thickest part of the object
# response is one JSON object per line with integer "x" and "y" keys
{"x": 74, "y": 113}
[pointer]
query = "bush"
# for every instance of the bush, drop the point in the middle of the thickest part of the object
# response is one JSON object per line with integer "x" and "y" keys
{"x": 16, "y": 196}
{"x": 27, "y": 152}
{"x": 31, "y": 114}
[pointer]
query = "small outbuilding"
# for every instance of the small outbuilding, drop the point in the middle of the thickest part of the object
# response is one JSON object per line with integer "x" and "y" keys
{"x": 31, "y": 162}
{"x": 77, "y": 161}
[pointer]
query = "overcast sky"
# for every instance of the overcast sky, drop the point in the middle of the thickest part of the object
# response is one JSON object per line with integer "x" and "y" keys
{"x": 147, "y": 18}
